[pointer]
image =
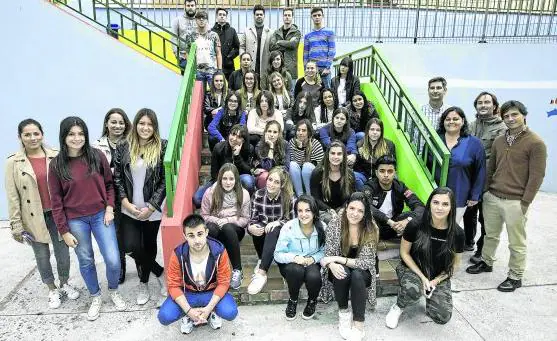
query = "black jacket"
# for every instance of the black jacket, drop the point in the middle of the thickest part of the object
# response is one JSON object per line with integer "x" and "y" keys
{"x": 400, "y": 195}
{"x": 367, "y": 167}
{"x": 222, "y": 153}
{"x": 229, "y": 44}
{"x": 350, "y": 88}
{"x": 210, "y": 103}
{"x": 154, "y": 187}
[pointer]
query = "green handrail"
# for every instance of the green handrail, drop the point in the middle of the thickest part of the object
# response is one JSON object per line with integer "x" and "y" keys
{"x": 178, "y": 131}
{"x": 135, "y": 20}
{"x": 430, "y": 150}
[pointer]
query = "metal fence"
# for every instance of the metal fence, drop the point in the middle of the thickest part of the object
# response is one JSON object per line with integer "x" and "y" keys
{"x": 414, "y": 21}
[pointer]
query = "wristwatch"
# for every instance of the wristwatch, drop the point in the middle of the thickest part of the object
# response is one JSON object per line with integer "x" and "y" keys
{"x": 409, "y": 219}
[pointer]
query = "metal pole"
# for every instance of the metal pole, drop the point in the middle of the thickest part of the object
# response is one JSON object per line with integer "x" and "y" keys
{"x": 417, "y": 22}
{"x": 380, "y": 22}
{"x": 486, "y": 9}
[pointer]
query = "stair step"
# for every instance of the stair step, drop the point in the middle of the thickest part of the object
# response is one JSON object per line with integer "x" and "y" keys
{"x": 205, "y": 156}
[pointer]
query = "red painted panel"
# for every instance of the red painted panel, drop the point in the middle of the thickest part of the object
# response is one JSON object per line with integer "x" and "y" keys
{"x": 188, "y": 177}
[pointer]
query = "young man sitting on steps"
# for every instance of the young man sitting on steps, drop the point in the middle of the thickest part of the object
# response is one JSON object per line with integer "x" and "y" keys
{"x": 198, "y": 296}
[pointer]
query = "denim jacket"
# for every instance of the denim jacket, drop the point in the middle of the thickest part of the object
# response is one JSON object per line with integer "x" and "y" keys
{"x": 292, "y": 242}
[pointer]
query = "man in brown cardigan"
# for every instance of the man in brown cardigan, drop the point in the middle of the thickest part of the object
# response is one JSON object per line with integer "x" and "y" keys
{"x": 514, "y": 175}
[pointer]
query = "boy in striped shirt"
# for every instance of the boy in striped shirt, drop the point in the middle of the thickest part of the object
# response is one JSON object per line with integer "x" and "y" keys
{"x": 319, "y": 45}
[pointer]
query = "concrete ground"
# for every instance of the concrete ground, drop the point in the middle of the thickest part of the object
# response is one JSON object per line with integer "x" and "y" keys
{"x": 480, "y": 311}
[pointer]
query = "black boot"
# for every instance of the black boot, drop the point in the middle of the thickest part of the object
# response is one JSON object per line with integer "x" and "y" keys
{"x": 122, "y": 268}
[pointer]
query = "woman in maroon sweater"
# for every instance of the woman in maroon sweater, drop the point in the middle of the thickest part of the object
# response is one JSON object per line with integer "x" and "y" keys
{"x": 82, "y": 196}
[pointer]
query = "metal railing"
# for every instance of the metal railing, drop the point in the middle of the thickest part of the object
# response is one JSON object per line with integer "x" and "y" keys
{"x": 178, "y": 131}
{"x": 413, "y": 21}
{"x": 125, "y": 23}
{"x": 418, "y": 131}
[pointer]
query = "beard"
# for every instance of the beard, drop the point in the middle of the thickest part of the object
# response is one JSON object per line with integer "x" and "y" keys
{"x": 190, "y": 13}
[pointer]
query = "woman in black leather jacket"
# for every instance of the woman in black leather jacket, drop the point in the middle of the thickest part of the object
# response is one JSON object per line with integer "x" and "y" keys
{"x": 140, "y": 184}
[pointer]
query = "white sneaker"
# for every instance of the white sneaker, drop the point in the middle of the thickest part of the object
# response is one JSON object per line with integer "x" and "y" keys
{"x": 95, "y": 308}
{"x": 345, "y": 323}
{"x": 117, "y": 300}
{"x": 162, "y": 282}
{"x": 143, "y": 294}
{"x": 236, "y": 281}
{"x": 186, "y": 326}
{"x": 258, "y": 281}
{"x": 71, "y": 292}
{"x": 393, "y": 316}
{"x": 357, "y": 334}
{"x": 54, "y": 299}
{"x": 214, "y": 321}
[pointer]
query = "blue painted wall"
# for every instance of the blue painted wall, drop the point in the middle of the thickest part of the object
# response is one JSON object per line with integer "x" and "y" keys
{"x": 54, "y": 65}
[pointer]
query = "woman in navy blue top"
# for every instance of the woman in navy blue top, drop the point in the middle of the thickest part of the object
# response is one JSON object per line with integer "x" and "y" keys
{"x": 467, "y": 170}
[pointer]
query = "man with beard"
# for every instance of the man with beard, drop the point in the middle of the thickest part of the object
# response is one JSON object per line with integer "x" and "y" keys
{"x": 182, "y": 26}
{"x": 487, "y": 127}
{"x": 255, "y": 40}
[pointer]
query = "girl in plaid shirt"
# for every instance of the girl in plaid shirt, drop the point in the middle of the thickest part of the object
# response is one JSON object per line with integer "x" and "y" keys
{"x": 271, "y": 207}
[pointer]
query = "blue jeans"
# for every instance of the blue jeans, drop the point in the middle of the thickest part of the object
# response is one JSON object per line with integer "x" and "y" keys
{"x": 182, "y": 63}
{"x": 325, "y": 79}
{"x": 301, "y": 177}
{"x": 61, "y": 253}
{"x": 360, "y": 136}
{"x": 205, "y": 77}
{"x": 247, "y": 180}
{"x": 360, "y": 180}
{"x": 82, "y": 228}
{"x": 170, "y": 311}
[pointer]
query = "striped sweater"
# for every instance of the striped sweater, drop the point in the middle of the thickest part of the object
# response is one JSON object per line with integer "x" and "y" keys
{"x": 298, "y": 155}
{"x": 319, "y": 45}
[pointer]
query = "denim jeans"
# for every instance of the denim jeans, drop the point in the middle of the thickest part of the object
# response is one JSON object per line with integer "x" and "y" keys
{"x": 205, "y": 77}
{"x": 182, "y": 63}
{"x": 360, "y": 135}
{"x": 360, "y": 180}
{"x": 61, "y": 253}
{"x": 105, "y": 236}
{"x": 325, "y": 79}
{"x": 247, "y": 180}
{"x": 170, "y": 311}
{"x": 301, "y": 177}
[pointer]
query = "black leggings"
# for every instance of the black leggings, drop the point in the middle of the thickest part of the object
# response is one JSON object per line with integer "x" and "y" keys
{"x": 355, "y": 283}
{"x": 296, "y": 275}
{"x": 470, "y": 221}
{"x": 265, "y": 247}
{"x": 140, "y": 242}
{"x": 230, "y": 235}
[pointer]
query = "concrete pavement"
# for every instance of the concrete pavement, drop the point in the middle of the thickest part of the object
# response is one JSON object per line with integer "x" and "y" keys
{"x": 480, "y": 311}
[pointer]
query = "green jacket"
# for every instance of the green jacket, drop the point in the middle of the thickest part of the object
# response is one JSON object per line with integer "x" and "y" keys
{"x": 487, "y": 130}
{"x": 288, "y": 46}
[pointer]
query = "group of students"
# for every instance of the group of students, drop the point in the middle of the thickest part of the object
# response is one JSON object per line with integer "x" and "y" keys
{"x": 112, "y": 189}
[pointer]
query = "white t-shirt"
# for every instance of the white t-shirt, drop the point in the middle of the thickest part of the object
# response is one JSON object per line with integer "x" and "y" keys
{"x": 341, "y": 91}
{"x": 387, "y": 206}
{"x": 198, "y": 271}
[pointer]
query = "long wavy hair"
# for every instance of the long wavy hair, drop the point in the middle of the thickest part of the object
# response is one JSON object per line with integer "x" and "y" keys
{"x": 213, "y": 88}
{"x": 323, "y": 107}
{"x": 272, "y": 57}
{"x": 279, "y": 154}
{"x": 218, "y": 193}
{"x": 346, "y": 174}
{"x": 283, "y": 91}
{"x": 308, "y": 144}
{"x": 345, "y": 130}
{"x": 364, "y": 145}
{"x": 422, "y": 246}
{"x": 464, "y": 131}
{"x": 367, "y": 232}
{"x": 286, "y": 190}
{"x": 317, "y": 223}
{"x": 88, "y": 154}
{"x": 270, "y": 103}
{"x": 121, "y": 112}
{"x": 367, "y": 110}
{"x": 151, "y": 151}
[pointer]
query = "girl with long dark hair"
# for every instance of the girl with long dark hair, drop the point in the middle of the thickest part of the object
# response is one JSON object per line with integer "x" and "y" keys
{"x": 332, "y": 182}
{"x": 237, "y": 77}
{"x": 271, "y": 151}
{"x": 328, "y": 102}
{"x": 361, "y": 111}
{"x": 116, "y": 127}
{"x": 77, "y": 170}
{"x": 225, "y": 119}
{"x": 306, "y": 153}
{"x": 214, "y": 98}
{"x": 430, "y": 249}
{"x": 225, "y": 208}
{"x": 350, "y": 254}
{"x": 271, "y": 208}
{"x": 30, "y": 209}
{"x": 140, "y": 182}
{"x": 301, "y": 110}
{"x": 345, "y": 84}
{"x": 298, "y": 251}
{"x": 371, "y": 148}
{"x": 263, "y": 113}
{"x": 339, "y": 129}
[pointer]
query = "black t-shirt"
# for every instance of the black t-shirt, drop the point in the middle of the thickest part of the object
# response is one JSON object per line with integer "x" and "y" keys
{"x": 112, "y": 152}
{"x": 438, "y": 238}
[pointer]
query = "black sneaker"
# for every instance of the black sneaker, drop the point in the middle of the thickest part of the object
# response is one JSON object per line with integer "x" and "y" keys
{"x": 476, "y": 258}
{"x": 309, "y": 310}
{"x": 290, "y": 312}
{"x": 479, "y": 268}
{"x": 509, "y": 285}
